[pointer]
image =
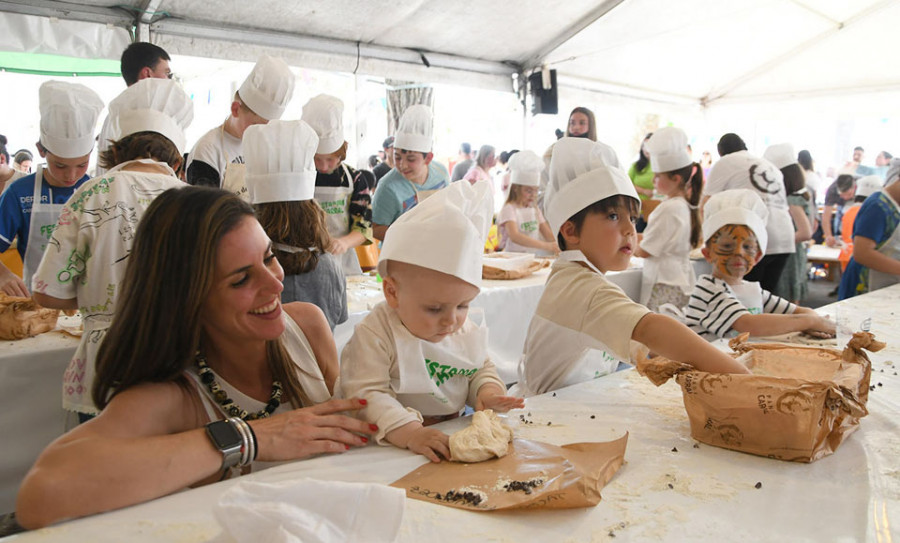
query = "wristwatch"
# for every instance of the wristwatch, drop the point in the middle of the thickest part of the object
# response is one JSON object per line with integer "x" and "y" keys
{"x": 227, "y": 439}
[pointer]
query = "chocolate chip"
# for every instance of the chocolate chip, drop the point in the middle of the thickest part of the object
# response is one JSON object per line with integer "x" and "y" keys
{"x": 674, "y": 449}
{"x": 594, "y": 416}
{"x": 548, "y": 423}
{"x": 879, "y": 384}
{"x": 671, "y": 485}
{"x": 611, "y": 534}
{"x": 554, "y": 394}
{"x": 758, "y": 485}
{"x": 696, "y": 445}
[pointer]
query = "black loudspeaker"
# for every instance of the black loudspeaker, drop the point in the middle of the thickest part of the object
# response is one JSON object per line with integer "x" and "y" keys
{"x": 543, "y": 100}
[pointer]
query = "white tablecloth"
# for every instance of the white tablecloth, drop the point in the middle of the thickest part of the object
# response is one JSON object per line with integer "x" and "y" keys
{"x": 853, "y": 495}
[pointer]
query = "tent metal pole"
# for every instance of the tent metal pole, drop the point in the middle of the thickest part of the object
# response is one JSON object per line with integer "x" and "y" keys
{"x": 69, "y": 11}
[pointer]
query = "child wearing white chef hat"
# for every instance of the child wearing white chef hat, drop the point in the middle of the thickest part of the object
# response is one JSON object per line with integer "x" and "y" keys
{"x": 522, "y": 226}
{"x": 415, "y": 176}
{"x": 30, "y": 206}
{"x": 217, "y": 159}
{"x": 723, "y": 304}
{"x": 583, "y": 324}
{"x": 421, "y": 356}
{"x": 87, "y": 255}
{"x": 281, "y": 179}
{"x": 673, "y": 229}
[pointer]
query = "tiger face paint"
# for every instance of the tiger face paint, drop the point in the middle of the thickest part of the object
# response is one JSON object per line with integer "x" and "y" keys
{"x": 733, "y": 251}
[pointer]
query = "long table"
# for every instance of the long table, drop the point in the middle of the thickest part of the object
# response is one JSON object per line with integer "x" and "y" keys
{"x": 670, "y": 487}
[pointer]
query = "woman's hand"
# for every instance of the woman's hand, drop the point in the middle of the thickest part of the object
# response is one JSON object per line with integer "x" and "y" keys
{"x": 11, "y": 284}
{"x": 311, "y": 430}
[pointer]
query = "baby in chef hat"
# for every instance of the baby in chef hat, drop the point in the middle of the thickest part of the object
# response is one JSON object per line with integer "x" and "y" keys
{"x": 421, "y": 356}
{"x": 584, "y": 324}
{"x": 722, "y": 303}
{"x": 217, "y": 159}
{"x": 522, "y": 226}
{"x": 30, "y": 206}
{"x": 415, "y": 176}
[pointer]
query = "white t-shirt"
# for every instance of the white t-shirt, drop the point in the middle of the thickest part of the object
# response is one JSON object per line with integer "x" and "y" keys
{"x": 741, "y": 170}
{"x": 581, "y": 329}
{"x": 217, "y": 148}
{"x": 86, "y": 259}
{"x": 528, "y": 220}
{"x": 713, "y": 308}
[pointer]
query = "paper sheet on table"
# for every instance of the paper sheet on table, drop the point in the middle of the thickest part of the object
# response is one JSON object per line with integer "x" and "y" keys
{"x": 799, "y": 404}
{"x": 534, "y": 475}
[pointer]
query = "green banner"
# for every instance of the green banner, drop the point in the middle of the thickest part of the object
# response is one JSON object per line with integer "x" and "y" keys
{"x": 58, "y": 65}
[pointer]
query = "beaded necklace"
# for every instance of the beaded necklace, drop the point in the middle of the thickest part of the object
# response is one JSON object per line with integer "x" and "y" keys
{"x": 232, "y": 409}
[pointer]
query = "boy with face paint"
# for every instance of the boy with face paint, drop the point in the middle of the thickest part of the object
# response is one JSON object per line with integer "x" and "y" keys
{"x": 723, "y": 304}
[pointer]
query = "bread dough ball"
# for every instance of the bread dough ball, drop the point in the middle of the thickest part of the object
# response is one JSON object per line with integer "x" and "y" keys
{"x": 22, "y": 317}
{"x": 484, "y": 439}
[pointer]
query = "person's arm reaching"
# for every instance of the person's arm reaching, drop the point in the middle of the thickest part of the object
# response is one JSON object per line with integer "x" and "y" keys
{"x": 671, "y": 339}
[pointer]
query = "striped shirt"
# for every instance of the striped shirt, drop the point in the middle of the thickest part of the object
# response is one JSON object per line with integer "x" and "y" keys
{"x": 713, "y": 308}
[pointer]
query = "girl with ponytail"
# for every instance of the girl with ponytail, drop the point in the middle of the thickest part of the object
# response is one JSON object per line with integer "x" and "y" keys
{"x": 673, "y": 229}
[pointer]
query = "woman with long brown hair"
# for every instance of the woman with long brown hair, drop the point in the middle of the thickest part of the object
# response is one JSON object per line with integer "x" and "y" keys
{"x": 281, "y": 178}
{"x": 202, "y": 373}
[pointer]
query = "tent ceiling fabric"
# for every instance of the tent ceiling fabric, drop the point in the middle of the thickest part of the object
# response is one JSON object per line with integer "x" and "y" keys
{"x": 694, "y": 51}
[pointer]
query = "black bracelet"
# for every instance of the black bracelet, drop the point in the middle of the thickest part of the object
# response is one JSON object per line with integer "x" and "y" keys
{"x": 255, "y": 442}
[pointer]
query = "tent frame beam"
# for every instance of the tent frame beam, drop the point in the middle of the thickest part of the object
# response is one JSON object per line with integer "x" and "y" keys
{"x": 64, "y": 10}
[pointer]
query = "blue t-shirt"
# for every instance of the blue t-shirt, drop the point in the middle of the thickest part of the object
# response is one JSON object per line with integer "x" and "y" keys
{"x": 395, "y": 195}
{"x": 15, "y": 208}
{"x": 877, "y": 219}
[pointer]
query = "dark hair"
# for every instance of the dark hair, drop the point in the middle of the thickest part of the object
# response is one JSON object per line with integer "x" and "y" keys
{"x": 601, "y": 206}
{"x": 859, "y": 199}
{"x": 140, "y": 55}
{"x": 505, "y": 155}
{"x": 465, "y": 148}
{"x": 887, "y": 155}
{"x": 805, "y": 160}
{"x": 858, "y": 148}
{"x": 794, "y": 179}
{"x": 844, "y": 182}
{"x": 592, "y": 122}
{"x": 373, "y": 161}
{"x": 170, "y": 273}
{"x": 692, "y": 178}
{"x": 141, "y": 145}
{"x": 643, "y": 160}
{"x": 22, "y": 155}
{"x": 3, "y": 140}
{"x": 4, "y": 153}
{"x": 730, "y": 143}
{"x": 297, "y": 224}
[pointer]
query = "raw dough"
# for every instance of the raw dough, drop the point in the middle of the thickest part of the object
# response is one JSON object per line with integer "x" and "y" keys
{"x": 484, "y": 439}
{"x": 22, "y": 317}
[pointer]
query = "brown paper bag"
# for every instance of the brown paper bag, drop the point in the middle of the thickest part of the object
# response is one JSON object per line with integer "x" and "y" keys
{"x": 22, "y": 317}
{"x": 799, "y": 404}
{"x": 534, "y": 475}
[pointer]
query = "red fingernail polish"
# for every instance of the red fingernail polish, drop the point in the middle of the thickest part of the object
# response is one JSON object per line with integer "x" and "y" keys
{"x": 364, "y": 402}
{"x": 373, "y": 427}
{"x": 347, "y": 447}
{"x": 364, "y": 439}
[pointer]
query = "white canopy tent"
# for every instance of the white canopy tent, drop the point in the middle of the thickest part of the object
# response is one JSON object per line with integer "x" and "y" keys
{"x": 654, "y": 61}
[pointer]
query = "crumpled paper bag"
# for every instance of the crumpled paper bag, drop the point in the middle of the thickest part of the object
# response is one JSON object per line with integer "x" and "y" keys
{"x": 799, "y": 404}
{"x": 309, "y": 511}
{"x": 23, "y": 317}
{"x": 533, "y": 475}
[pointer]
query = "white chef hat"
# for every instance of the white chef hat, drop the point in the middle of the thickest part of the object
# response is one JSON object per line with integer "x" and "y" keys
{"x": 736, "y": 206}
{"x": 445, "y": 232}
{"x": 414, "y": 132}
{"x": 893, "y": 172}
{"x": 667, "y": 148}
{"x": 580, "y": 175}
{"x": 69, "y": 113}
{"x": 268, "y": 88}
{"x": 781, "y": 155}
{"x": 869, "y": 185}
{"x": 279, "y": 160}
{"x": 324, "y": 113}
{"x": 153, "y": 105}
{"x": 525, "y": 168}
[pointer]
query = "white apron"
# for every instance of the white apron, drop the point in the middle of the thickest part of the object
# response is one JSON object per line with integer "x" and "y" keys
{"x": 43, "y": 221}
{"x": 749, "y": 293}
{"x": 233, "y": 177}
{"x": 527, "y": 223}
{"x": 877, "y": 279}
{"x": 335, "y": 201}
{"x": 427, "y": 369}
{"x": 651, "y": 272}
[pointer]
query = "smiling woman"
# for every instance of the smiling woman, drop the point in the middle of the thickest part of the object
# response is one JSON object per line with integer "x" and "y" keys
{"x": 234, "y": 379}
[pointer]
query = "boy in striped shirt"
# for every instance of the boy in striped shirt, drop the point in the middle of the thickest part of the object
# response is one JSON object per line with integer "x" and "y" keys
{"x": 723, "y": 304}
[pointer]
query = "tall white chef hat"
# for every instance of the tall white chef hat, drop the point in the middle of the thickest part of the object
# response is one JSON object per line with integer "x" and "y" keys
{"x": 445, "y": 232}
{"x": 414, "y": 132}
{"x": 268, "y": 88}
{"x": 324, "y": 113}
{"x": 667, "y": 148}
{"x": 153, "y": 105}
{"x": 869, "y": 185}
{"x": 525, "y": 168}
{"x": 781, "y": 155}
{"x": 69, "y": 113}
{"x": 736, "y": 206}
{"x": 893, "y": 172}
{"x": 279, "y": 160}
{"x": 580, "y": 175}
